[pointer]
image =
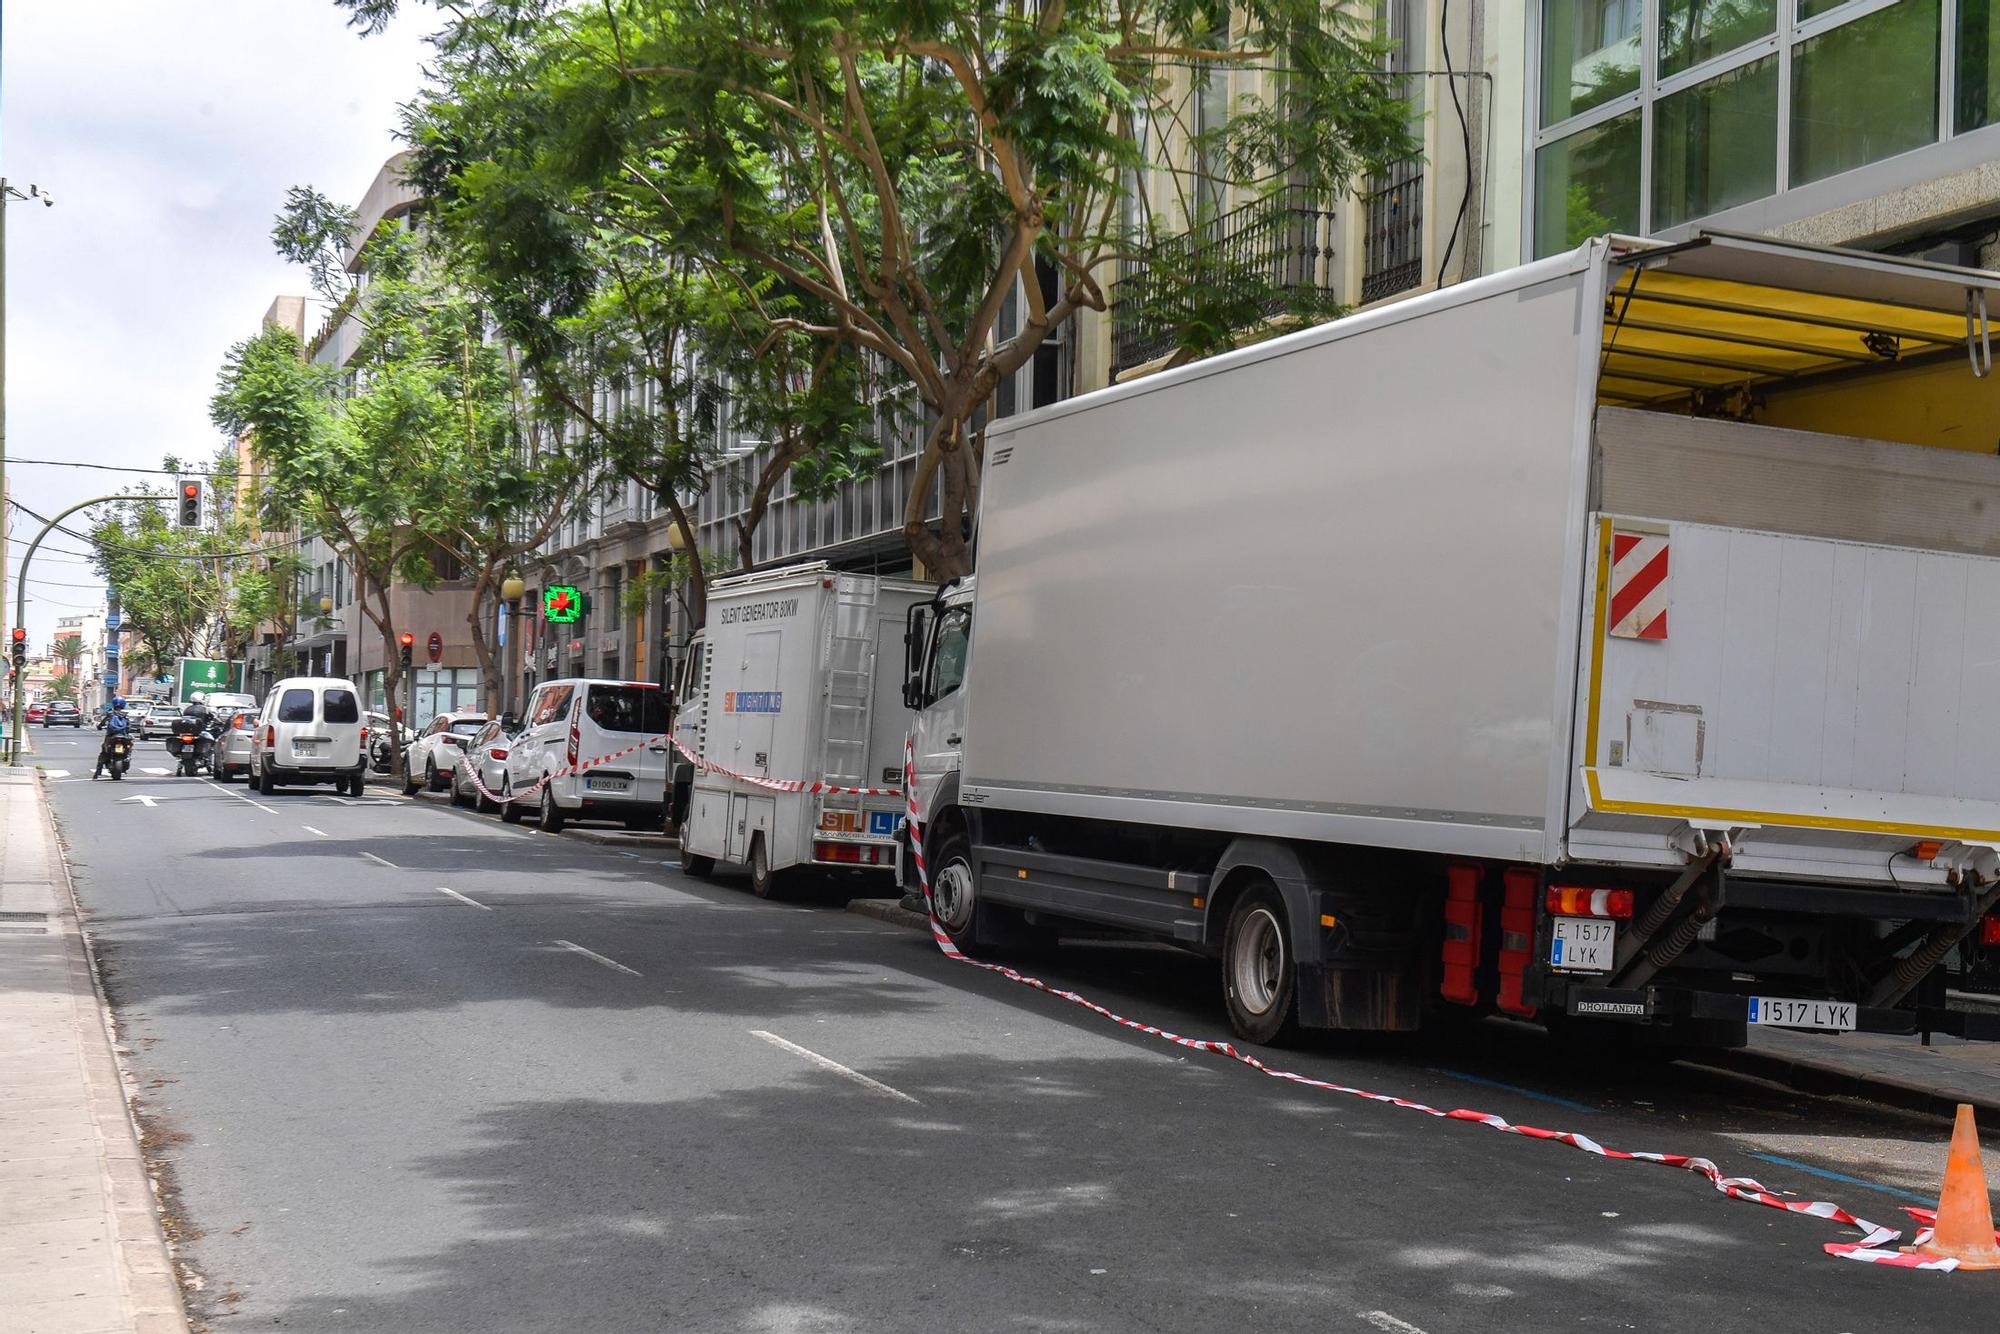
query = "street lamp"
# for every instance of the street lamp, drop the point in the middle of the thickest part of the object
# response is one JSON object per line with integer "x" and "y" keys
{"x": 325, "y": 605}
{"x": 512, "y": 590}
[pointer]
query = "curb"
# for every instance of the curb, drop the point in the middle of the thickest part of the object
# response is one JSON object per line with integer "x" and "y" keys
{"x": 888, "y": 910}
{"x": 1830, "y": 1079}
{"x": 622, "y": 838}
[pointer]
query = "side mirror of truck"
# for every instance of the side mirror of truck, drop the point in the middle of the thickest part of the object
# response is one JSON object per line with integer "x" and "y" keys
{"x": 916, "y": 637}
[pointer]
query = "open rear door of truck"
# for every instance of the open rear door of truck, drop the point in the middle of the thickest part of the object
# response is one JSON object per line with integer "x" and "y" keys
{"x": 1791, "y": 631}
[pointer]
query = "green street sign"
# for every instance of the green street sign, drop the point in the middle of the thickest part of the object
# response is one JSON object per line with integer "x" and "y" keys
{"x": 199, "y": 676}
{"x": 562, "y": 604}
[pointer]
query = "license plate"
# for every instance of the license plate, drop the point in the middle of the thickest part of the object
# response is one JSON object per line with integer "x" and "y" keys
{"x": 1582, "y": 944}
{"x": 1778, "y": 1012}
{"x": 608, "y": 784}
{"x": 309, "y": 749}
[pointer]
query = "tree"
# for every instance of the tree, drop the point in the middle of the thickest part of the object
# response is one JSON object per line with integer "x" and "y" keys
{"x": 68, "y": 651}
{"x": 398, "y": 457}
{"x": 918, "y": 169}
{"x": 596, "y": 297}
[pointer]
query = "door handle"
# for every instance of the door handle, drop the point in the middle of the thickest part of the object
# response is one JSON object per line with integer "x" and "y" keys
{"x": 953, "y": 739}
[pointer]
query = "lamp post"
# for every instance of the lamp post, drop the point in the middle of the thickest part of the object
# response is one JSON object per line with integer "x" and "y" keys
{"x": 511, "y": 590}
{"x": 326, "y": 611}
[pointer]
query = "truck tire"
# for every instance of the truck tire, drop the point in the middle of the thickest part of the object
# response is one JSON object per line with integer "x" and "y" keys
{"x": 692, "y": 864}
{"x": 954, "y": 889}
{"x": 764, "y": 882}
{"x": 1259, "y": 976}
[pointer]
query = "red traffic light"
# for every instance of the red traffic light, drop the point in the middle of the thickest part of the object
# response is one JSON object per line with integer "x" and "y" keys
{"x": 20, "y": 634}
{"x": 407, "y": 639}
{"x": 191, "y": 490}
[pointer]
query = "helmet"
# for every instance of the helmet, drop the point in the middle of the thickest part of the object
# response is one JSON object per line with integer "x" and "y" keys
{"x": 117, "y": 701}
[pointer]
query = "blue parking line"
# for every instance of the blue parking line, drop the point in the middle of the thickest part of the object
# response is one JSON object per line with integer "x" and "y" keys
{"x": 1515, "y": 1088}
{"x": 1842, "y": 1177}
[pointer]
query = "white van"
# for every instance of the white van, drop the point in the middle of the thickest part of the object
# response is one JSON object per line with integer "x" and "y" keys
{"x": 309, "y": 732}
{"x": 601, "y": 746}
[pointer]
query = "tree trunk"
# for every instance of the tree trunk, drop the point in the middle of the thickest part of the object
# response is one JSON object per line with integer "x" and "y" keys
{"x": 489, "y": 676}
{"x": 954, "y": 469}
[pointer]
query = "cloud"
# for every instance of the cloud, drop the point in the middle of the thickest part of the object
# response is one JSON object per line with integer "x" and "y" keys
{"x": 168, "y": 133}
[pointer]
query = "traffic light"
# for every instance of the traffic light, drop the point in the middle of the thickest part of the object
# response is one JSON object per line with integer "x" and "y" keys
{"x": 408, "y": 642}
{"x": 20, "y": 647}
{"x": 190, "y": 504}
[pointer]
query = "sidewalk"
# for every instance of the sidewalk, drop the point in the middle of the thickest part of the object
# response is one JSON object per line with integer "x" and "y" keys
{"x": 1896, "y": 1070}
{"x": 80, "y": 1243}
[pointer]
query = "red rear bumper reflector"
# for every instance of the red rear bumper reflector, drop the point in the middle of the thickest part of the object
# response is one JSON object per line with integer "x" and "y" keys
{"x": 1589, "y": 902}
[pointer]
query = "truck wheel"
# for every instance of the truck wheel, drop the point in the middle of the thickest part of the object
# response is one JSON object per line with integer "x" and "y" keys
{"x": 1258, "y": 976}
{"x": 764, "y": 882}
{"x": 954, "y": 889}
{"x": 693, "y": 864}
{"x": 550, "y": 820}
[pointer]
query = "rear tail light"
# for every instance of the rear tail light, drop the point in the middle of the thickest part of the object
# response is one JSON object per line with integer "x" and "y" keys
{"x": 858, "y": 854}
{"x": 497, "y": 753}
{"x": 1589, "y": 902}
{"x": 270, "y": 736}
{"x": 575, "y": 737}
{"x": 1989, "y": 928}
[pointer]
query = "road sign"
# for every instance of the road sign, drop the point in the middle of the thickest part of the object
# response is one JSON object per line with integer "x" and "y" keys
{"x": 113, "y": 620}
{"x": 435, "y": 646}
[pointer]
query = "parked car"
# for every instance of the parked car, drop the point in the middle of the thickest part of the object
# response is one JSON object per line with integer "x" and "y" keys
{"x": 487, "y": 755}
{"x": 227, "y": 701}
{"x": 37, "y": 711}
{"x": 233, "y": 747}
{"x": 309, "y": 731}
{"x": 62, "y": 713}
{"x": 601, "y": 746}
{"x": 437, "y": 749}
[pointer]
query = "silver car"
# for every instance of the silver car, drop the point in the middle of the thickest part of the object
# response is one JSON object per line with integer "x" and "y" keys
{"x": 486, "y": 754}
{"x": 232, "y": 748}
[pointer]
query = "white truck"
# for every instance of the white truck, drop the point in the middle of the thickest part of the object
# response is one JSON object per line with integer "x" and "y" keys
{"x": 1615, "y": 639}
{"x": 794, "y": 678}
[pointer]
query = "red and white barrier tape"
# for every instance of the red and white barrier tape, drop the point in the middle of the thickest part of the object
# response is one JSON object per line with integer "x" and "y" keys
{"x": 1872, "y": 1247}
{"x": 815, "y": 787}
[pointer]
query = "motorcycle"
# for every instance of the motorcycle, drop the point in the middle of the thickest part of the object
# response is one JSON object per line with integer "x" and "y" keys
{"x": 195, "y": 747}
{"x": 118, "y": 755}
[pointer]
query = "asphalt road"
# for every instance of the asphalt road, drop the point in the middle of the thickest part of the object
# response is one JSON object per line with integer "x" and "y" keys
{"x": 407, "y": 1068}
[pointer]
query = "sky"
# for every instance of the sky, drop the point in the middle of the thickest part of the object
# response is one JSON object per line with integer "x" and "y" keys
{"x": 168, "y": 132}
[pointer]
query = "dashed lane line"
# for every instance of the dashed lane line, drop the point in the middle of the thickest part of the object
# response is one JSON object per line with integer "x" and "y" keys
{"x": 231, "y": 792}
{"x": 310, "y": 830}
{"x": 829, "y": 1064}
{"x": 381, "y": 861}
{"x": 593, "y": 954}
{"x": 485, "y": 908}
{"x": 1387, "y": 1323}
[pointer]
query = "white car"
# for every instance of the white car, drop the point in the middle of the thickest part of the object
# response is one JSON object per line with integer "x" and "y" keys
{"x": 309, "y": 732}
{"x": 436, "y": 751}
{"x": 597, "y": 748}
{"x": 486, "y": 761}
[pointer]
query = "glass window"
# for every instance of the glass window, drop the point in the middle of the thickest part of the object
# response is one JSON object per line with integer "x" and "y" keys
{"x": 1692, "y": 31}
{"x": 1865, "y": 90}
{"x": 1809, "y": 9}
{"x": 555, "y": 703}
{"x": 1978, "y": 90}
{"x": 295, "y": 706}
{"x": 1587, "y": 184}
{"x": 1590, "y": 54}
{"x": 628, "y": 708}
{"x": 1716, "y": 144}
{"x": 948, "y": 663}
{"x": 342, "y": 707}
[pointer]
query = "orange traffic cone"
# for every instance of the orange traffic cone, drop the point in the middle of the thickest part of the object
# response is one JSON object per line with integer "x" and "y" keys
{"x": 1964, "y": 1215}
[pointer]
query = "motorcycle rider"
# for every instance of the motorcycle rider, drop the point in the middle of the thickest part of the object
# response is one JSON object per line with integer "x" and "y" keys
{"x": 200, "y": 720}
{"x": 115, "y": 722}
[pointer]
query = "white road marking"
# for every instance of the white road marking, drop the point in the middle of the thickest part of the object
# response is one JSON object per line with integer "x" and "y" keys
{"x": 148, "y": 802}
{"x": 157, "y": 773}
{"x": 232, "y": 792}
{"x": 310, "y": 830}
{"x": 1387, "y": 1323}
{"x": 484, "y": 908}
{"x": 633, "y": 855}
{"x": 593, "y": 954}
{"x": 380, "y": 862}
{"x": 55, "y": 773}
{"x": 827, "y": 1063}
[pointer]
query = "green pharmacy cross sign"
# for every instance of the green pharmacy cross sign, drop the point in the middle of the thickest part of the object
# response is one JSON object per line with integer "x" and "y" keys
{"x": 562, "y": 605}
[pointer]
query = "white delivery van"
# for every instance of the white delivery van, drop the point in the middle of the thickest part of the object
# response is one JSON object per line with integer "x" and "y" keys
{"x": 1612, "y": 641}
{"x": 794, "y": 678}
{"x": 599, "y": 750}
{"x": 308, "y": 732}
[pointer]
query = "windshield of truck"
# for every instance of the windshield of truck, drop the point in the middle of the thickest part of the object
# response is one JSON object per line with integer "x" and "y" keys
{"x": 953, "y": 641}
{"x": 632, "y": 708}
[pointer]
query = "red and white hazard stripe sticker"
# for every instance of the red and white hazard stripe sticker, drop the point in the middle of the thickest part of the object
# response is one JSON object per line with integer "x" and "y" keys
{"x": 1638, "y": 585}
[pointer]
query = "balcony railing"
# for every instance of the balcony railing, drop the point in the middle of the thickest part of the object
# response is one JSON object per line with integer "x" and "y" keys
{"x": 1392, "y": 255}
{"x": 1283, "y": 244}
